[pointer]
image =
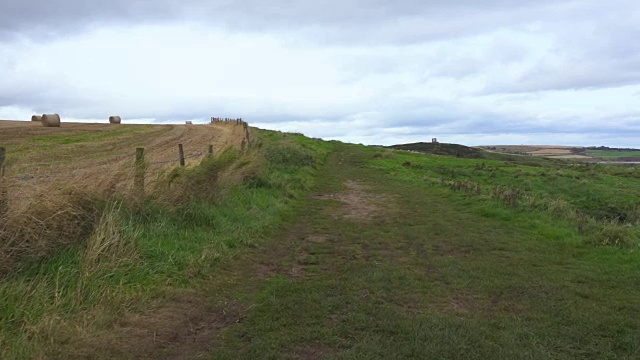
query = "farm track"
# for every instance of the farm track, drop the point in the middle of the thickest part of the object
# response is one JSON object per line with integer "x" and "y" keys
{"x": 379, "y": 267}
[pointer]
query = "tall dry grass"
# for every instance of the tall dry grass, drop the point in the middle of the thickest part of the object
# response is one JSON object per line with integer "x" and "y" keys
{"x": 109, "y": 243}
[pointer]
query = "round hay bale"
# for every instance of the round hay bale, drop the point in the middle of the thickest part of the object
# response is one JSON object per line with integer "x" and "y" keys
{"x": 115, "y": 119}
{"x": 36, "y": 118}
{"x": 51, "y": 120}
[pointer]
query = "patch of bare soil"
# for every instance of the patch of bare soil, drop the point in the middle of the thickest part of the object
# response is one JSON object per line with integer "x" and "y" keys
{"x": 291, "y": 259}
{"x": 464, "y": 303}
{"x": 310, "y": 352}
{"x": 359, "y": 203}
{"x": 285, "y": 256}
{"x": 444, "y": 249}
{"x": 184, "y": 328}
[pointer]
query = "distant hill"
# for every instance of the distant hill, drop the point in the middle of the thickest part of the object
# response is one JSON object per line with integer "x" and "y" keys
{"x": 441, "y": 149}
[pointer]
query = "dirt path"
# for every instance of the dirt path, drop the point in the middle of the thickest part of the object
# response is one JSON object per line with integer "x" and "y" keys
{"x": 337, "y": 235}
{"x": 190, "y": 324}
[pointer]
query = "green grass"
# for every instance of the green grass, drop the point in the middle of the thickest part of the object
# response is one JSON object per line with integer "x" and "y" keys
{"x": 613, "y": 154}
{"x": 602, "y": 191}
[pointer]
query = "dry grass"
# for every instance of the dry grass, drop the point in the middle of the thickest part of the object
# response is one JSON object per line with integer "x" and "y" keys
{"x": 584, "y": 157}
{"x": 43, "y": 223}
{"x": 108, "y": 243}
{"x": 550, "y": 152}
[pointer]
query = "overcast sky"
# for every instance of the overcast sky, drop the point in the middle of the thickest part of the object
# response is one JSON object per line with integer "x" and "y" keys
{"x": 374, "y": 72}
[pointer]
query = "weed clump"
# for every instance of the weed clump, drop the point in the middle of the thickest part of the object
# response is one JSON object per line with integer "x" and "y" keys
{"x": 288, "y": 154}
{"x": 111, "y": 242}
{"x": 509, "y": 196}
{"x": 386, "y": 154}
{"x": 614, "y": 234}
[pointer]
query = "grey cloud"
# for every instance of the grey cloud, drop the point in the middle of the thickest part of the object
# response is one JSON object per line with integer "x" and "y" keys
{"x": 604, "y": 73}
{"x": 42, "y": 18}
{"x": 447, "y": 120}
{"x": 377, "y": 20}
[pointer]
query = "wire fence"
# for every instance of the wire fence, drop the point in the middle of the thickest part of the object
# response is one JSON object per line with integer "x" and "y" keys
{"x": 17, "y": 180}
{"x": 35, "y": 171}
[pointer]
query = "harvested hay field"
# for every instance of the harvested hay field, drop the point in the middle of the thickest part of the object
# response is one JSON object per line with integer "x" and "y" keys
{"x": 551, "y": 152}
{"x": 79, "y": 152}
{"x": 96, "y": 154}
{"x": 53, "y": 173}
{"x": 579, "y": 157}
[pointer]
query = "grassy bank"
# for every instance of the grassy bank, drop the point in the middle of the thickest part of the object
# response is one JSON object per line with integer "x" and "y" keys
{"x": 133, "y": 253}
{"x": 600, "y": 202}
{"x": 383, "y": 264}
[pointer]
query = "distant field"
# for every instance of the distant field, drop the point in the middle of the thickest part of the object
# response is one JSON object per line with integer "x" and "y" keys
{"x": 534, "y": 150}
{"x": 614, "y": 154}
{"x": 551, "y": 152}
{"x": 563, "y": 152}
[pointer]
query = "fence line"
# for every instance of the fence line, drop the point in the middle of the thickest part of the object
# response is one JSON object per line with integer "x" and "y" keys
{"x": 190, "y": 156}
{"x": 137, "y": 169}
{"x": 4, "y": 195}
{"x": 35, "y": 174}
{"x": 215, "y": 120}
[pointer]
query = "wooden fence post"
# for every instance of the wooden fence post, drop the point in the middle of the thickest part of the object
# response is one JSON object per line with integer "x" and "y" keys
{"x": 210, "y": 150}
{"x": 138, "y": 180}
{"x": 246, "y": 133}
{"x": 4, "y": 198}
{"x": 3, "y": 151}
{"x": 181, "y": 154}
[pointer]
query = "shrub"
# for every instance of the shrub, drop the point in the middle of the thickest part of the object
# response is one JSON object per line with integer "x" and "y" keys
{"x": 509, "y": 196}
